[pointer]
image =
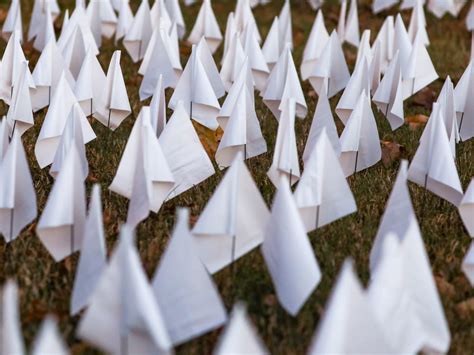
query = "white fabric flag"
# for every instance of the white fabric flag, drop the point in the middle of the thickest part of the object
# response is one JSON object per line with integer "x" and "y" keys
{"x": 160, "y": 15}
{"x": 38, "y": 13}
{"x": 331, "y": 70}
{"x": 138, "y": 36}
{"x": 49, "y": 340}
{"x": 409, "y": 4}
{"x": 397, "y": 215}
{"x": 341, "y": 23}
{"x": 176, "y": 16}
{"x": 402, "y": 44}
{"x": 123, "y": 315}
{"x": 465, "y": 106}
{"x": 186, "y": 157}
{"x": 114, "y": 104}
{"x": 283, "y": 84}
{"x": 468, "y": 264}
{"x": 196, "y": 92}
{"x": 314, "y": 47}
{"x": 388, "y": 98}
{"x": 351, "y": 30}
{"x": 75, "y": 51}
{"x": 433, "y": 166}
{"x": 102, "y": 12}
{"x": 240, "y": 335}
{"x": 17, "y": 192}
{"x": 232, "y": 62}
{"x": 322, "y": 119}
{"x": 323, "y": 194}
{"x": 13, "y": 21}
{"x": 65, "y": 22}
{"x": 20, "y": 112}
{"x": 181, "y": 283}
{"x": 46, "y": 32}
{"x": 285, "y": 156}
{"x": 242, "y": 134}
{"x": 288, "y": 253}
{"x": 124, "y": 21}
{"x": 315, "y": 4}
{"x": 10, "y": 326}
{"x": 466, "y": 209}
{"x": 440, "y": 7}
{"x": 418, "y": 24}
{"x": 54, "y": 122}
{"x": 446, "y": 100}
{"x": 61, "y": 226}
{"x": 349, "y": 325}
{"x": 233, "y": 221}
{"x": 404, "y": 296}
{"x": 385, "y": 38}
{"x": 273, "y": 45}
{"x": 210, "y": 67}
{"x": 285, "y": 25}
{"x": 90, "y": 84}
{"x": 46, "y": 75}
{"x": 381, "y": 5}
{"x": 419, "y": 71}
{"x": 11, "y": 68}
{"x": 244, "y": 16}
{"x": 93, "y": 17}
{"x": 230, "y": 31}
{"x": 206, "y": 26}
{"x": 158, "y": 108}
{"x": 358, "y": 83}
{"x": 72, "y": 135}
{"x": 257, "y": 62}
{"x": 360, "y": 143}
{"x": 364, "y": 51}
{"x": 93, "y": 258}
{"x": 143, "y": 175}
{"x": 160, "y": 60}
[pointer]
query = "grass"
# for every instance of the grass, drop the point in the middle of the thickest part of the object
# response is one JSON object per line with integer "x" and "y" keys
{"x": 45, "y": 287}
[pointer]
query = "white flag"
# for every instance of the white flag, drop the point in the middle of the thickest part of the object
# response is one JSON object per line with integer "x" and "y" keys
{"x": 317, "y": 40}
{"x": 206, "y": 26}
{"x": 10, "y": 326}
{"x": 138, "y": 36}
{"x": 465, "y": 106}
{"x": 49, "y": 340}
{"x": 466, "y": 209}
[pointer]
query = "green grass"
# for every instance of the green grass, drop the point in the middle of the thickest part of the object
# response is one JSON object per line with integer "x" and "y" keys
{"x": 45, "y": 287}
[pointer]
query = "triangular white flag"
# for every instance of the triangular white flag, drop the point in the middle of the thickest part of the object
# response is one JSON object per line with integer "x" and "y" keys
{"x": 54, "y": 122}
{"x": 331, "y": 70}
{"x": 433, "y": 166}
{"x": 232, "y": 62}
{"x": 206, "y": 26}
{"x": 13, "y": 21}
{"x": 288, "y": 253}
{"x": 123, "y": 315}
{"x": 388, "y": 98}
{"x": 317, "y": 40}
{"x": 49, "y": 340}
{"x": 38, "y": 13}
{"x": 61, "y": 226}
{"x": 138, "y": 36}
{"x": 285, "y": 156}
{"x": 322, "y": 119}
{"x": 114, "y": 104}
{"x": 186, "y": 157}
{"x": 349, "y": 325}
{"x": 158, "y": 108}
{"x": 385, "y": 38}
{"x": 360, "y": 144}
{"x": 381, "y": 5}
{"x": 93, "y": 256}
{"x": 323, "y": 194}
{"x": 181, "y": 283}
{"x": 143, "y": 175}
{"x": 46, "y": 32}
{"x": 351, "y": 30}
{"x": 257, "y": 62}
{"x": 124, "y": 21}
{"x": 233, "y": 221}
{"x": 273, "y": 45}
{"x": 240, "y": 335}
{"x": 176, "y": 16}
{"x": 464, "y": 105}
{"x": 418, "y": 24}
{"x": 446, "y": 100}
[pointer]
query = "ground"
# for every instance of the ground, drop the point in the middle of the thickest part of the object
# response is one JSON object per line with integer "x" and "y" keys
{"x": 45, "y": 287}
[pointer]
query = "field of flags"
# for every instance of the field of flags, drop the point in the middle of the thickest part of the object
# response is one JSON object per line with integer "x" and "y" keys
{"x": 237, "y": 177}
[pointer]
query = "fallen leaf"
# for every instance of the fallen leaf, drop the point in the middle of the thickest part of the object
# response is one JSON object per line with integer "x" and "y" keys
{"x": 391, "y": 151}
{"x": 270, "y": 300}
{"x": 210, "y": 139}
{"x": 91, "y": 178}
{"x": 425, "y": 98}
{"x": 444, "y": 287}
{"x": 416, "y": 121}
{"x": 312, "y": 94}
{"x": 465, "y": 308}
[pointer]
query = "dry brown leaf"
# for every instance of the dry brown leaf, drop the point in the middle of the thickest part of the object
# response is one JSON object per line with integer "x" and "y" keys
{"x": 391, "y": 151}
{"x": 3, "y": 15}
{"x": 465, "y": 308}
{"x": 444, "y": 287}
{"x": 91, "y": 178}
{"x": 425, "y": 98}
{"x": 210, "y": 139}
{"x": 416, "y": 121}
{"x": 312, "y": 94}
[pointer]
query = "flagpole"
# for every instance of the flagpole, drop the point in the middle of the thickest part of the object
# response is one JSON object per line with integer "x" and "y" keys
{"x": 232, "y": 266}
{"x": 317, "y": 217}
{"x": 11, "y": 224}
{"x": 13, "y": 130}
{"x": 460, "y": 126}
{"x": 91, "y": 106}
{"x": 290, "y": 177}
{"x": 357, "y": 157}
{"x": 108, "y": 122}
{"x": 49, "y": 95}
{"x": 124, "y": 345}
